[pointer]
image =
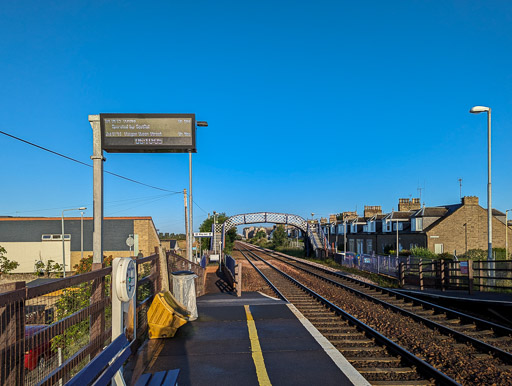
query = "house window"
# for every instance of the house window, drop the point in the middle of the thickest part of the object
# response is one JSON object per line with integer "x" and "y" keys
{"x": 369, "y": 246}
{"x": 417, "y": 224}
{"x": 333, "y": 229}
{"x": 360, "y": 246}
{"x": 438, "y": 248}
{"x": 400, "y": 226}
{"x": 351, "y": 245}
{"x": 341, "y": 229}
{"x": 386, "y": 226}
{"x": 55, "y": 237}
{"x": 353, "y": 228}
{"x": 413, "y": 245}
{"x": 369, "y": 227}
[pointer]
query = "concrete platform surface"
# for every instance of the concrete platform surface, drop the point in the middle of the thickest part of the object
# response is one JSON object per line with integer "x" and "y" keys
{"x": 215, "y": 349}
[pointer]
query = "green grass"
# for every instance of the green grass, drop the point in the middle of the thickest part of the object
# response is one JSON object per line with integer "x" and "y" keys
{"x": 381, "y": 280}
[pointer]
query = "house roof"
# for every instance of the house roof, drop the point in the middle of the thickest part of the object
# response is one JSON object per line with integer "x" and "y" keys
{"x": 398, "y": 216}
{"x": 10, "y": 218}
{"x": 431, "y": 212}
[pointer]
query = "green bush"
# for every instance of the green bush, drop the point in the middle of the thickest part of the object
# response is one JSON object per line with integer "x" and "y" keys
{"x": 423, "y": 252}
{"x": 6, "y": 265}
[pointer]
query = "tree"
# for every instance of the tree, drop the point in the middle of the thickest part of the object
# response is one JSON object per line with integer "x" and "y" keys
{"x": 51, "y": 266}
{"x": 206, "y": 226}
{"x": 6, "y": 265}
{"x": 279, "y": 236}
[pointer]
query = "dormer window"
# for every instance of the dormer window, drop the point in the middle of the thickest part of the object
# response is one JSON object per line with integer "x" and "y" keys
{"x": 417, "y": 224}
{"x": 400, "y": 226}
{"x": 386, "y": 226}
{"x": 353, "y": 227}
{"x": 341, "y": 229}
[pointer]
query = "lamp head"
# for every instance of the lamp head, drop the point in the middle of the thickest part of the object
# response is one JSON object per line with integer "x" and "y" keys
{"x": 479, "y": 109}
{"x": 202, "y": 124}
{"x": 82, "y": 208}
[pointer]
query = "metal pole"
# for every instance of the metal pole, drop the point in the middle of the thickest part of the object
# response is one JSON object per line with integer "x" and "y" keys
{"x": 81, "y": 235}
{"x": 63, "y": 248}
{"x": 397, "y": 239}
{"x": 489, "y": 205}
{"x": 186, "y": 223}
{"x": 97, "y": 159}
{"x": 506, "y": 234}
{"x": 344, "y": 240}
{"x": 190, "y": 205}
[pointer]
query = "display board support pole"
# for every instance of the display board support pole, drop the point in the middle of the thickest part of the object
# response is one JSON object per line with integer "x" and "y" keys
{"x": 97, "y": 160}
{"x": 190, "y": 206}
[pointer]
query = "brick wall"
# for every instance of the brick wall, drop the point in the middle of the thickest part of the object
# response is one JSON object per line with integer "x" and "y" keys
{"x": 466, "y": 229}
{"x": 148, "y": 237}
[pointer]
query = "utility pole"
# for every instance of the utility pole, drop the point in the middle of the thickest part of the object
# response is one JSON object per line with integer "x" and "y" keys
{"x": 460, "y": 188}
{"x": 186, "y": 223}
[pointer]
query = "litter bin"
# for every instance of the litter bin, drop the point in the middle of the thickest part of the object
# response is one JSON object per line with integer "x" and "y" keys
{"x": 184, "y": 290}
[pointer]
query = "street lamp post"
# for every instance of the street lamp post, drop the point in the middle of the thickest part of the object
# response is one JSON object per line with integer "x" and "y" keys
{"x": 344, "y": 239}
{"x": 477, "y": 110}
{"x": 506, "y": 233}
{"x": 63, "y": 245}
{"x": 397, "y": 247}
{"x": 81, "y": 235}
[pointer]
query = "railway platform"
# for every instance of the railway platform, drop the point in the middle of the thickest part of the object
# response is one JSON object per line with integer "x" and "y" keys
{"x": 249, "y": 340}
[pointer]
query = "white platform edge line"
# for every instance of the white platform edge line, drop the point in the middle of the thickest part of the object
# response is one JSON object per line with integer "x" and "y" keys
{"x": 339, "y": 360}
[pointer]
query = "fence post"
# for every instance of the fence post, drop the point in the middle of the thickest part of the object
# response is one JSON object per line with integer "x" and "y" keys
{"x": 238, "y": 279}
{"x": 97, "y": 318}
{"x": 442, "y": 273}
{"x": 401, "y": 275}
{"x": 420, "y": 273}
{"x": 470, "y": 277}
{"x": 164, "y": 272}
{"x": 480, "y": 274}
{"x": 12, "y": 337}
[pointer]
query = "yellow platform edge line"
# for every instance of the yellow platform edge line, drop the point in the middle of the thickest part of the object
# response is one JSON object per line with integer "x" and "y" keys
{"x": 257, "y": 355}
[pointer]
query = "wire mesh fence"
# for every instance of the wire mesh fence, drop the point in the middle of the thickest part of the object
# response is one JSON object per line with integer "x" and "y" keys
{"x": 48, "y": 332}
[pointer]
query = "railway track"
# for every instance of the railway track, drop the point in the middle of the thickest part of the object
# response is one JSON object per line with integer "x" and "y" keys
{"x": 490, "y": 343}
{"x": 377, "y": 358}
{"x": 486, "y": 336}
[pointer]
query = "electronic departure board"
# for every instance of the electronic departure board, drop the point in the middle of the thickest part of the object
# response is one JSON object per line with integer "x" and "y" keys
{"x": 148, "y": 133}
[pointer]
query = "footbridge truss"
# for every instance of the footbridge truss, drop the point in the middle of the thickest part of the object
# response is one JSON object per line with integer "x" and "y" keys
{"x": 263, "y": 217}
{"x": 269, "y": 217}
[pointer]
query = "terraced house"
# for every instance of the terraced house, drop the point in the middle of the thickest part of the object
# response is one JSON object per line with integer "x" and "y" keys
{"x": 453, "y": 228}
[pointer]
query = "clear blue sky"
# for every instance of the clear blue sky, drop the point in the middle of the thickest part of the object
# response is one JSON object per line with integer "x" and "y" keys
{"x": 317, "y": 107}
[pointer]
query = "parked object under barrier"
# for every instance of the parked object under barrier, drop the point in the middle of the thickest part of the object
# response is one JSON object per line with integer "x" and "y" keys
{"x": 166, "y": 315}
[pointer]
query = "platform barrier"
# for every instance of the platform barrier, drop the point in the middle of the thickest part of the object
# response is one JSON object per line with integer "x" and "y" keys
{"x": 165, "y": 316}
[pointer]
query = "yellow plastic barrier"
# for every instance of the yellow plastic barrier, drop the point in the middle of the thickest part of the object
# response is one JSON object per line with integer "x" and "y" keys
{"x": 165, "y": 316}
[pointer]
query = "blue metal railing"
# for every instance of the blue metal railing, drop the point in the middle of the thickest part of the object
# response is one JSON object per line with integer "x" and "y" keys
{"x": 230, "y": 264}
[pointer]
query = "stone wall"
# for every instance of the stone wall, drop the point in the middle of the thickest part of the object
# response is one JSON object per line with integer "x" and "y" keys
{"x": 466, "y": 229}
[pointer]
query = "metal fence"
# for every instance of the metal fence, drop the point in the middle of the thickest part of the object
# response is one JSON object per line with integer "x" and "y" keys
{"x": 477, "y": 275}
{"x": 50, "y": 331}
{"x": 380, "y": 264}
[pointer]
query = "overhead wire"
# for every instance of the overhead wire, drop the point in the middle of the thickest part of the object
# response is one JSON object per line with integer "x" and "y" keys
{"x": 90, "y": 166}
{"x": 85, "y": 164}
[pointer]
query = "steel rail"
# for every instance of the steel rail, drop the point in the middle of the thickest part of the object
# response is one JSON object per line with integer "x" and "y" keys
{"x": 500, "y": 329}
{"x": 503, "y": 355}
{"x": 423, "y": 367}
{"x": 272, "y": 286}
